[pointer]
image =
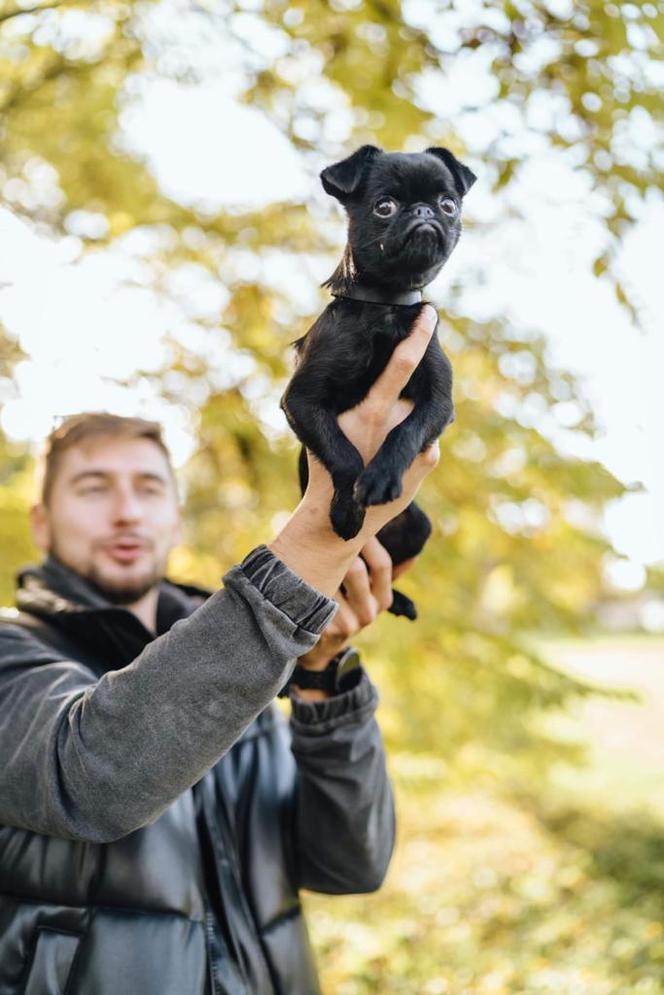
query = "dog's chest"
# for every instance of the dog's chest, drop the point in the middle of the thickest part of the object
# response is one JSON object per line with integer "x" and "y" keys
{"x": 349, "y": 347}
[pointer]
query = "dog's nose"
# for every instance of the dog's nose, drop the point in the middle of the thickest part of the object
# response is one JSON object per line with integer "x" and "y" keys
{"x": 422, "y": 211}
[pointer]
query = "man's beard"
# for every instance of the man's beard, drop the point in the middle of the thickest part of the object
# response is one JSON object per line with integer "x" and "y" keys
{"x": 127, "y": 593}
{"x": 118, "y": 593}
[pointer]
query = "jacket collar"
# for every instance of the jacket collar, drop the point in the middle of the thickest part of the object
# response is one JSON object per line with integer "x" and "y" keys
{"x": 63, "y": 598}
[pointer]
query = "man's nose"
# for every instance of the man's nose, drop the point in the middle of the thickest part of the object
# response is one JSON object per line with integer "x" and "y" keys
{"x": 423, "y": 211}
{"x": 126, "y": 506}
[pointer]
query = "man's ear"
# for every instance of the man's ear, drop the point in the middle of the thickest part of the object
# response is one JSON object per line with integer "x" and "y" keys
{"x": 463, "y": 177}
{"x": 343, "y": 179}
{"x": 41, "y": 529}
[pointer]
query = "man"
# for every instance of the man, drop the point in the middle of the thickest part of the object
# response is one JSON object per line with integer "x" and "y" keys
{"x": 157, "y": 816}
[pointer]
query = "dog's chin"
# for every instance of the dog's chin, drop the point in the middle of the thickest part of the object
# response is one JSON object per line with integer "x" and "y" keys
{"x": 410, "y": 260}
{"x": 426, "y": 238}
{"x": 422, "y": 251}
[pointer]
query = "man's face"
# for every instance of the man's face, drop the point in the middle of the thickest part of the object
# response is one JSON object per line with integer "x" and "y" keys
{"x": 113, "y": 515}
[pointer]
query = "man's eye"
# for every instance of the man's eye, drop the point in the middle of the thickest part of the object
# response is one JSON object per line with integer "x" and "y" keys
{"x": 448, "y": 206}
{"x": 385, "y": 207}
{"x": 95, "y": 489}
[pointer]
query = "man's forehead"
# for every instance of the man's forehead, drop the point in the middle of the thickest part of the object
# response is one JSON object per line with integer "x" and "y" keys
{"x": 111, "y": 455}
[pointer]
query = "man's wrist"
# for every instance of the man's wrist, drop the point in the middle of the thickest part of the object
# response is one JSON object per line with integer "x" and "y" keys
{"x": 314, "y": 552}
{"x": 341, "y": 674}
{"x": 318, "y": 658}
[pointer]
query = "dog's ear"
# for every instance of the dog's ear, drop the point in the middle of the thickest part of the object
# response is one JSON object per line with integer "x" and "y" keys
{"x": 463, "y": 177}
{"x": 344, "y": 178}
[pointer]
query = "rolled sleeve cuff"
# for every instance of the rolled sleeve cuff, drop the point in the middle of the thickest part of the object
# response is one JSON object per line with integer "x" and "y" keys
{"x": 306, "y": 607}
{"x": 316, "y": 717}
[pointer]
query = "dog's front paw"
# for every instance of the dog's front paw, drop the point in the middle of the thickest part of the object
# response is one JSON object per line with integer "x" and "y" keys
{"x": 346, "y": 516}
{"x": 375, "y": 486}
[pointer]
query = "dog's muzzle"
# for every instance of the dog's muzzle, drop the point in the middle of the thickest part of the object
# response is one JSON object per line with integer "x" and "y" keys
{"x": 425, "y": 227}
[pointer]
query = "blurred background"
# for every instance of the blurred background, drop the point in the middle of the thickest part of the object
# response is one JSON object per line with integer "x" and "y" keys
{"x": 163, "y": 238}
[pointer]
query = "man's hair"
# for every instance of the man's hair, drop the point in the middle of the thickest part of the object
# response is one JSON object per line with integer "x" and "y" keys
{"x": 91, "y": 425}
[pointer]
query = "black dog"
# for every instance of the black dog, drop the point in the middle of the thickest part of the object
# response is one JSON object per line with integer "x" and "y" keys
{"x": 404, "y": 221}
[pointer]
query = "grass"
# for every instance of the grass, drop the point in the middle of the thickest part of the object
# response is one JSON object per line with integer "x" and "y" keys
{"x": 549, "y": 890}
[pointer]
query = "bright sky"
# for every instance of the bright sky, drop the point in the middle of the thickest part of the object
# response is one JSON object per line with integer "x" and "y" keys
{"x": 81, "y": 328}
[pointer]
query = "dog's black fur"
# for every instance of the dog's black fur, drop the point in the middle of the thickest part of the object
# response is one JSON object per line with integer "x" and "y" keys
{"x": 404, "y": 221}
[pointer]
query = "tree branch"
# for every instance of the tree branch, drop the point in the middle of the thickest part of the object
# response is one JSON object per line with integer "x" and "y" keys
{"x": 17, "y": 11}
{"x": 20, "y": 92}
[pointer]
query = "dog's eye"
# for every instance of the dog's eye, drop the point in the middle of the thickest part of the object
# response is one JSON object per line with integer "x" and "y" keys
{"x": 448, "y": 206}
{"x": 385, "y": 207}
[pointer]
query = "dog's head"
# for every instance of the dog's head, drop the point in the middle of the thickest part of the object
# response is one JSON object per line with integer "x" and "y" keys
{"x": 404, "y": 214}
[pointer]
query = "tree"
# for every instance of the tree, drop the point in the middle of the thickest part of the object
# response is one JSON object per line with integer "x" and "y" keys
{"x": 516, "y": 547}
{"x": 15, "y": 481}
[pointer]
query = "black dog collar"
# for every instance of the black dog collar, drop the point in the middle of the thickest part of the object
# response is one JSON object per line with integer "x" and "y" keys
{"x": 371, "y": 295}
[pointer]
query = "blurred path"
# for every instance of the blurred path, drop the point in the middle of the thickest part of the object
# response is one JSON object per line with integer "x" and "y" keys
{"x": 626, "y": 740}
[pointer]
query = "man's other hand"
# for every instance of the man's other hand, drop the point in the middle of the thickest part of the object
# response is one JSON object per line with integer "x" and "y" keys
{"x": 367, "y": 591}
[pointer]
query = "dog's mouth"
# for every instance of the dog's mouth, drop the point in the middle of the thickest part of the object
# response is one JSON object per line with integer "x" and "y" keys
{"x": 425, "y": 230}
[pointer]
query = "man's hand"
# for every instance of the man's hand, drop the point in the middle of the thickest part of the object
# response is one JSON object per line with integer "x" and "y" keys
{"x": 369, "y": 423}
{"x": 307, "y": 544}
{"x": 368, "y": 591}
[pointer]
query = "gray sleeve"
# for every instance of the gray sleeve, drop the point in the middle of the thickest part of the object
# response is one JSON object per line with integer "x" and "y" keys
{"x": 344, "y": 815}
{"x": 94, "y": 759}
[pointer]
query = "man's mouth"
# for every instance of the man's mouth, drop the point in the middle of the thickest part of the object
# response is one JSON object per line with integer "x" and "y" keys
{"x": 125, "y": 550}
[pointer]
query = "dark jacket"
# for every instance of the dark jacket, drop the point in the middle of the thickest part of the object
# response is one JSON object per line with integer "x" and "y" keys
{"x": 135, "y": 861}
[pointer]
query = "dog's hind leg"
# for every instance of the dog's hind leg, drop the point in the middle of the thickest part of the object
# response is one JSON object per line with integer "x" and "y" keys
{"x": 346, "y": 515}
{"x": 319, "y": 430}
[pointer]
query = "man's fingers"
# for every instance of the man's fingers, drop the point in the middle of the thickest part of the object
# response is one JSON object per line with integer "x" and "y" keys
{"x": 402, "y": 567}
{"x": 431, "y": 456}
{"x": 404, "y": 360}
{"x": 379, "y": 564}
{"x": 358, "y": 593}
{"x": 420, "y": 468}
{"x": 345, "y": 623}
